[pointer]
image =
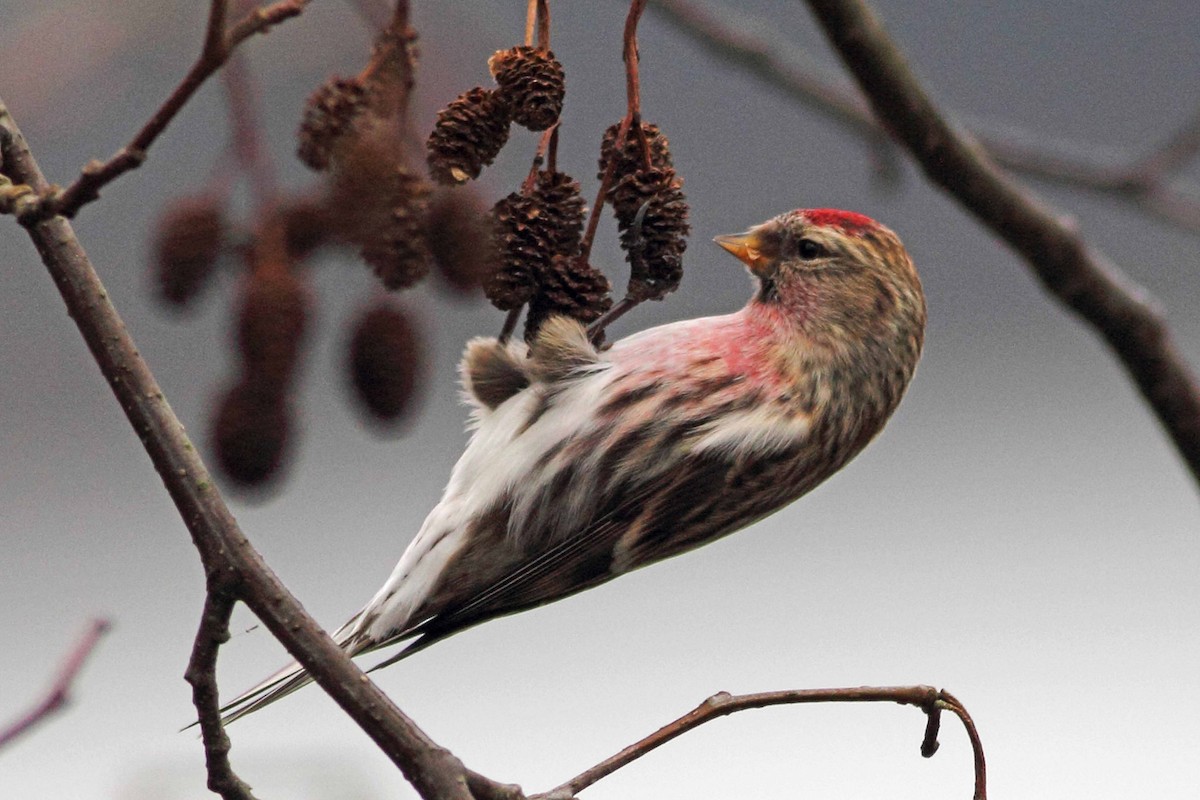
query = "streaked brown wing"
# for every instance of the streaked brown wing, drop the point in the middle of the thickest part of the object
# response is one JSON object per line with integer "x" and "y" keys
{"x": 636, "y": 524}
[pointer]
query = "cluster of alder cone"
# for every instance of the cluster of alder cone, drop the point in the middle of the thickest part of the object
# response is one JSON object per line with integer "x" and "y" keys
{"x": 529, "y": 250}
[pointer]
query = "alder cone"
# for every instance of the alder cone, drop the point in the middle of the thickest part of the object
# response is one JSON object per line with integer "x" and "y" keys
{"x": 328, "y": 115}
{"x": 468, "y": 135}
{"x": 530, "y": 230}
{"x": 570, "y": 287}
{"x": 458, "y": 231}
{"x": 653, "y": 245}
{"x": 523, "y": 249}
{"x": 250, "y": 434}
{"x": 563, "y": 211}
{"x": 397, "y": 249}
{"x": 385, "y": 361}
{"x": 379, "y": 203}
{"x": 270, "y": 328}
{"x": 533, "y": 82}
{"x": 307, "y": 225}
{"x": 188, "y": 243}
{"x": 630, "y": 158}
{"x": 650, "y": 208}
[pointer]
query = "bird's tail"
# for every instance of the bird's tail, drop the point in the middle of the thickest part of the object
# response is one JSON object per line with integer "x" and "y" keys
{"x": 292, "y": 677}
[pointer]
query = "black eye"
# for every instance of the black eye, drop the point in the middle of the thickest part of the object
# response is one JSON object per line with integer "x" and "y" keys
{"x": 808, "y": 249}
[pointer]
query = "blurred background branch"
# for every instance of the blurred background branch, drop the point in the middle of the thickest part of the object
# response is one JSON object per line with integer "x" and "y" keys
{"x": 1150, "y": 183}
{"x": 220, "y": 41}
{"x": 59, "y": 695}
{"x": 1074, "y": 272}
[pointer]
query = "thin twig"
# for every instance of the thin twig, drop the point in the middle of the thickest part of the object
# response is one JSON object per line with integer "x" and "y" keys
{"x": 539, "y": 158}
{"x": 952, "y": 704}
{"x": 374, "y": 12}
{"x": 59, "y": 695}
{"x": 636, "y": 251}
{"x": 1150, "y": 183}
{"x": 261, "y": 20}
{"x": 633, "y": 105}
{"x": 543, "y": 24}
{"x": 202, "y": 675}
{"x": 218, "y": 44}
{"x": 510, "y": 324}
{"x": 1173, "y": 155}
{"x": 1080, "y": 277}
{"x": 433, "y": 770}
{"x": 247, "y": 144}
{"x": 593, "y": 224}
{"x": 629, "y": 52}
{"x": 927, "y": 698}
{"x": 618, "y": 310}
{"x": 392, "y": 66}
{"x": 530, "y": 21}
{"x": 552, "y": 149}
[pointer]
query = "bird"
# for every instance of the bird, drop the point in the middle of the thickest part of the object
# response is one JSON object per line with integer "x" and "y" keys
{"x": 587, "y": 462}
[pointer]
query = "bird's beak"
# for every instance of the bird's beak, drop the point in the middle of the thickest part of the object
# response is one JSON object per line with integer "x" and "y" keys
{"x": 747, "y": 247}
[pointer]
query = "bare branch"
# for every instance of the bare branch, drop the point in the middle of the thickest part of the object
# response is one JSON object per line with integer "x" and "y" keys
{"x": 247, "y": 143}
{"x": 393, "y": 65}
{"x": 730, "y": 36}
{"x": 60, "y": 691}
{"x": 927, "y": 698}
{"x": 373, "y": 12}
{"x": 952, "y": 704}
{"x": 202, "y": 675}
{"x": 1081, "y": 278}
{"x": 1176, "y": 153}
{"x": 433, "y": 771}
{"x": 1144, "y": 183}
{"x": 218, "y": 44}
{"x": 261, "y": 20}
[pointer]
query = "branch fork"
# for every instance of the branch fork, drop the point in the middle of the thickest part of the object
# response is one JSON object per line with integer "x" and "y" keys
{"x": 59, "y": 695}
{"x": 219, "y": 43}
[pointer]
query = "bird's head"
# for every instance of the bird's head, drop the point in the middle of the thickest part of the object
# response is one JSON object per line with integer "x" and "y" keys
{"x": 841, "y": 276}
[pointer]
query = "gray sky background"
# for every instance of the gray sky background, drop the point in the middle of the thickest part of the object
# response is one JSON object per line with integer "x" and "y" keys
{"x": 1022, "y": 534}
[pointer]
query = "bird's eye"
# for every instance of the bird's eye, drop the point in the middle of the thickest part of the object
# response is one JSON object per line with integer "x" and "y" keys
{"x": 807, "y": 249}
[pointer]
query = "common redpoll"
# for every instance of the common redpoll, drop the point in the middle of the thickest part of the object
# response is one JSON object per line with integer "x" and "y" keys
{"x": 585, "y": 464}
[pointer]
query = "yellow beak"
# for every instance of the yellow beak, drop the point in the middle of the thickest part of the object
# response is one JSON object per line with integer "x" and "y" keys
{"x": 747, "y": 247}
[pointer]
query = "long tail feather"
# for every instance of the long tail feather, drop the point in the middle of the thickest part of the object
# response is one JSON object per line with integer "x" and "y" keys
{"x": 293, "y": 676}
{"x": 279, "y": 685}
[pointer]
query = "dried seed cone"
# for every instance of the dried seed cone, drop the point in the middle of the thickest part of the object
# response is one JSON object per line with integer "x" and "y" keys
{"x": 307, "y": 225}
{"x": 397, "y": 249}
{"x": 468, "y": 136}
{"x": 250, "y": 434}
{"x": 187, "y": 244}
{"x": 654, "y": 247}
{"x": 379, "y": 203}
{"x": 529, "y": 231}
{"x": 570, "y": 287}
{"x": 458, "y": 231}
{"x": 270, "y": 328}
{"x": 329, "y": 114}
{"x": 523, "y": 248}
{"x": 564, "y": 209}
{"x": 385, "y": 361}
{"x": 630, "y": 158}
{"x": 533, "y": 82}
